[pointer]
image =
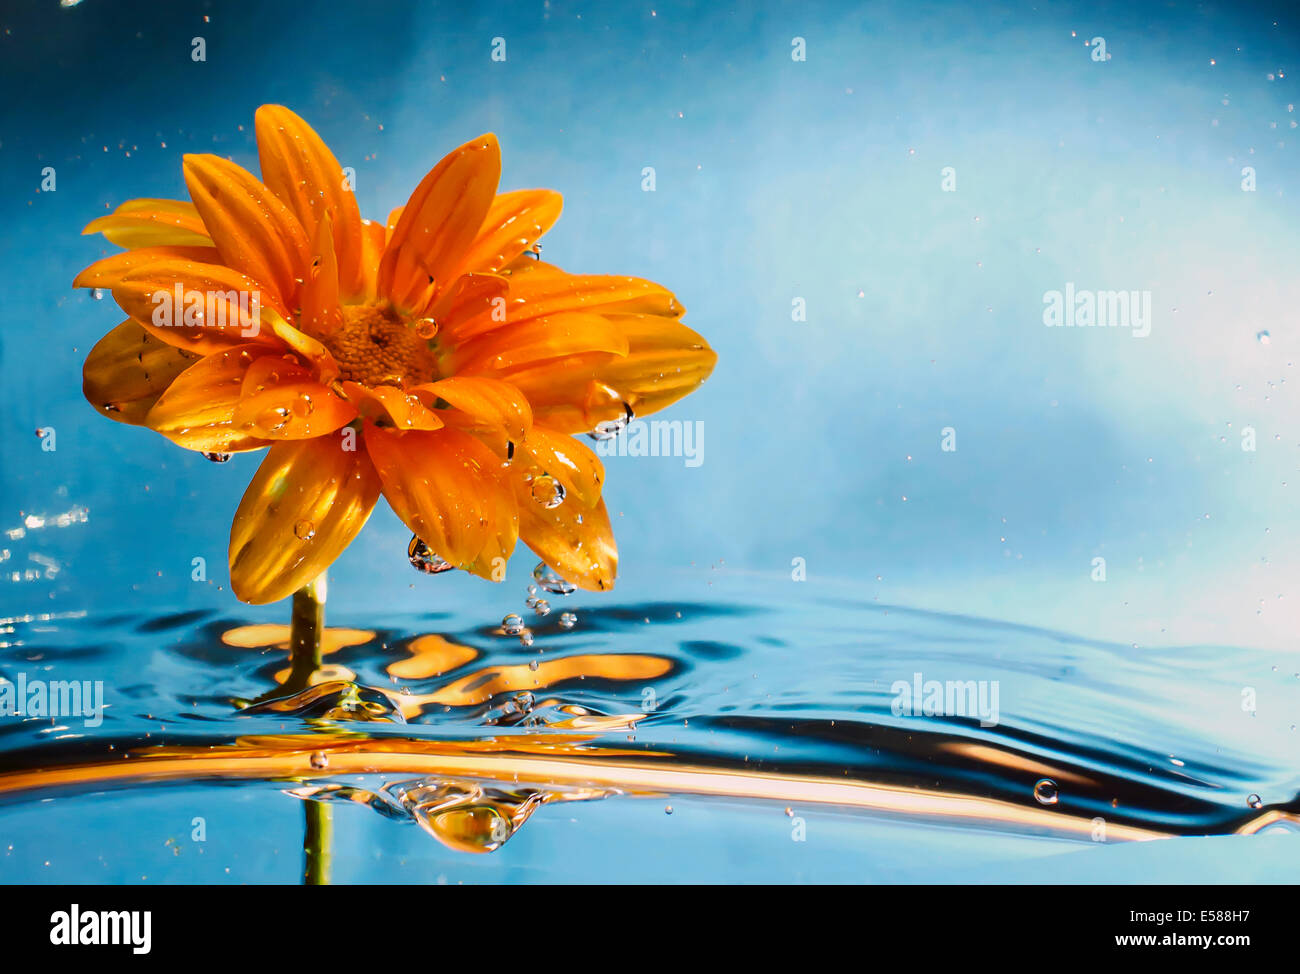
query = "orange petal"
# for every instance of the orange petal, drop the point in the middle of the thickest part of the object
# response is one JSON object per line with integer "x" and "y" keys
{"x": 439, "y": 223}
{"x": 279, "y": 400}
{"x": 373, "y": 236}
{"x": 300, "y": 169}
{"x": 537, "y": 340}
{"x": 306, "y": 503}
{"x": 197, "y": 410}
{"x": 321, "y": 314}
{"x": 490, "y": 402}
{"x": 539, "y": 289}
{"x": 568, "y": 461}
{"x": 446, "y": 487}
{"x": 576, "y": 541}
{"x": 153, "y": 223}
{"x": 110, "y": 270}
{"x": 513, "y": 223}
{"x": 389, "y": 406}
{"x": 665, "y": 361}
{"x": 254, "y": 230}
{"x": 473, "y": 304}
{"x": 127, "y": 370}
{"x": 213, "y": 308}
{"x": 327, "y": 370}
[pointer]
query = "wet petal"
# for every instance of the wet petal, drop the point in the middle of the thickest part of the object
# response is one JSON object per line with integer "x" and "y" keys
{"x": 568, "y": 461}
{"x": 199, "y": 307}
{"x": 488, "y": 402}
{"x": 446, "y": 487}
{"x": 538, "y": 340}
{"x": 576, "y": 541}
{"x": 513, "y": 223}
{"x": 127, "y": 370}
{"x": 386, "y": 405}
{"x": 254, "y": 230}
{"x": 110, "y": 270}
{"x": 306, "y": 503}
{"x": 152, "y": 223}
{"x": 197, "y": 410}
{"x": 537, "y": 288}
{"x": 665, "y": 361}
{"x": 439, "y": 223}
{"x": 321, "y": 314}
{"x": 279, "y": 400}
{"x": 301, "y": 170}
{"x": 475, "y": 303}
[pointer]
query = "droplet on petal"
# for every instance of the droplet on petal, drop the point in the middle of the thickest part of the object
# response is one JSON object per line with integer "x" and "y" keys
{"x": 422, "y": 559}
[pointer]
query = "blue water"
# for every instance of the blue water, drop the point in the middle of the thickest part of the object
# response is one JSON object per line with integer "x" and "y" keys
{"x": 776, "y": 180}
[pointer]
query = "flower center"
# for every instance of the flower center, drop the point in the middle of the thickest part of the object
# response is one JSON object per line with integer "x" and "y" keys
{"x": 375, "y": 347}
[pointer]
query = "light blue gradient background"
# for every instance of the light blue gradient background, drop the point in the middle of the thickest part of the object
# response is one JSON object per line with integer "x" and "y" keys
{"x": 775, "y": 180}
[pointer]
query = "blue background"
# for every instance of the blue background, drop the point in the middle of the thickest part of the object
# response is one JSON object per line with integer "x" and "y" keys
{"x": 776, "y": 179}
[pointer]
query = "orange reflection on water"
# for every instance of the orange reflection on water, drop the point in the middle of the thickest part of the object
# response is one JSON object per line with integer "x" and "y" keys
{"x": 271, "y": 636}
{"x": 484, "y": 684}
{"x": 431, "y": 655}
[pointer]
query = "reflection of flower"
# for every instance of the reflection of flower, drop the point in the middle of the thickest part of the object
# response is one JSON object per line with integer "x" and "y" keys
{"x": 432, "y": 359}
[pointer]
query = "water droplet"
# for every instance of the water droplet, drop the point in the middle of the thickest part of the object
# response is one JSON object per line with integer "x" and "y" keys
{"x": 532, "y": 665}
{"x": 1046, "y": 791}
{"x": 568, "y": 620}
{"x": 542, "y": 607}
{"x": 610, "y": 428}
{"x": 549, "y": 579}
{"x": 668, "y": 809}
{"x": 304, "y": 530}
{"x": 1263, "y": 337}
{"x": 275, "y": 419}
{"x": 524, "y": 702}
{"x": 513, "y": 624}
{"x": 532, "y": 589}
{"x": 526, "y": 637}
{"x": 422, "y": 559}
{"x": 1254, "y": 801}
{"x": 216, "y": 457}
{"x": 303, "y": 406}
{"x": 97, "y": 294}
{"x": 319, "y": 760}
{"x": 426, "y": 328}
{"x": 548, "y": 491}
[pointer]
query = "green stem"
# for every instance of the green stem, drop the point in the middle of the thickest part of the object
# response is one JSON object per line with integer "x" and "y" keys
{"x": 305, "y": 633}
{"x": 316, "y": 844}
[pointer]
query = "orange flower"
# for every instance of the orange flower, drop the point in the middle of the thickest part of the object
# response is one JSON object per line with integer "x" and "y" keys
{"x": 434, "y": 359}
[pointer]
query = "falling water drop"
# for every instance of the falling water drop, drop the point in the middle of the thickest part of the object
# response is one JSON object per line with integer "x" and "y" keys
{"x": 568, "y": 620}
{"x": 1046, "y": 791}
{"x": 526, "y": 637}
{"x": 1263, "y": 337}
{"x": 422, "y": 559}
{"x": 216, "y": 457}
{"x": 542, "y": 607}
{"x": 97, "y": 294}
{"x": 319, "y": 760}
{"x": 513, "y": 624}
{"x": 549, "y": 579}
{"x": 1254, "y": 801}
